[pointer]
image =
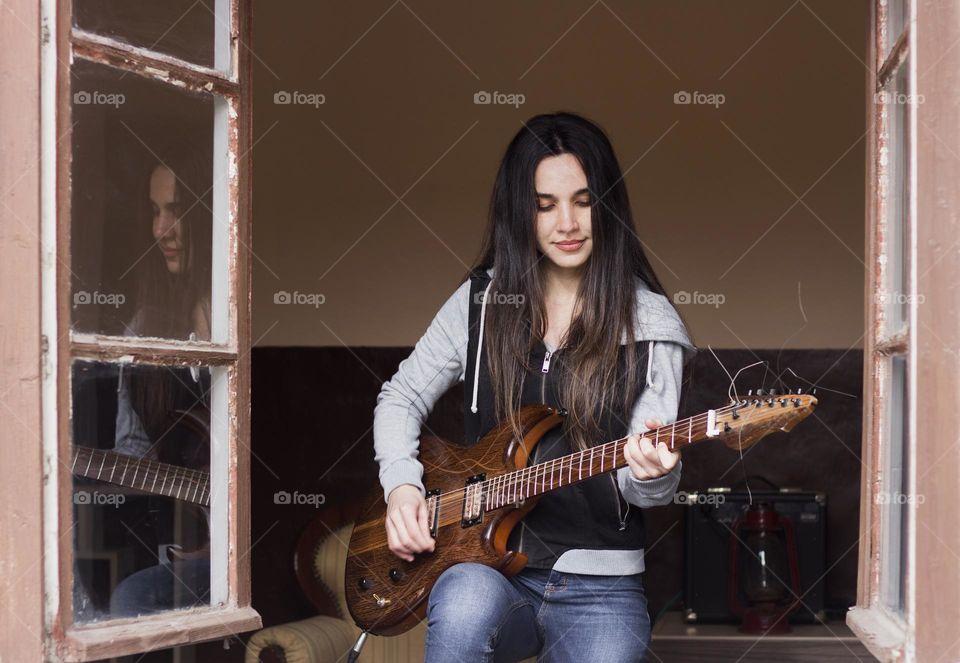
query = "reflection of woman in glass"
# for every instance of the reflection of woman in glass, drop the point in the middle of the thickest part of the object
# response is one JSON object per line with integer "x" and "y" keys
{"x": 174, "y": 283}
{"x": 156, "y": 404}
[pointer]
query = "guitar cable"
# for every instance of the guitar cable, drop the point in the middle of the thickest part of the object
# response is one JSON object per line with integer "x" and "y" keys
{"x": 355, "y": 652}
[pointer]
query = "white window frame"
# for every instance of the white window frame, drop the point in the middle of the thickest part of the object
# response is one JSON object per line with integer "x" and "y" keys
{"x": 227, "y": 354}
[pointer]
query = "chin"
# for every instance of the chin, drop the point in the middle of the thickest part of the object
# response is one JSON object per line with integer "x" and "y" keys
{"x": 565, "y": 261}
{"x": 173, "y": 266}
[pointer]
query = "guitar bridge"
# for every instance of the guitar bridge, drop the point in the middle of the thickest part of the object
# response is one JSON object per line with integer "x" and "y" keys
{"x": 473, "y": 499}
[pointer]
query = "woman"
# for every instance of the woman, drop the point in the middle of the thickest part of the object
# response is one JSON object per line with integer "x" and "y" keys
{"x": 563, "y": 308}
{"x": 158, "y": 407}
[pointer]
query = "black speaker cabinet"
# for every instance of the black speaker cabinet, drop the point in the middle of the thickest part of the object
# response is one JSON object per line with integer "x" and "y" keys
{"x": 711, "y": 516}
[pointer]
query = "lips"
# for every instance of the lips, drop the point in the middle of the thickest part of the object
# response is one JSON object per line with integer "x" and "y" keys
{"x": 570, "y": 245}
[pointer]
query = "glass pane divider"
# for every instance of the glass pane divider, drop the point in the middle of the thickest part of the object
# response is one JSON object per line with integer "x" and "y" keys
{"x": 150, "y": 64}
{"x": 162, "y": 351}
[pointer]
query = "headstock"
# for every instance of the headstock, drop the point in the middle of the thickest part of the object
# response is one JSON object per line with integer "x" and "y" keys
{"x": 745, "y": 421}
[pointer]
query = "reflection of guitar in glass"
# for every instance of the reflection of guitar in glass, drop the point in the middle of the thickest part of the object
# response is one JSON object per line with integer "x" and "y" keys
{"x": 149, "y": 477}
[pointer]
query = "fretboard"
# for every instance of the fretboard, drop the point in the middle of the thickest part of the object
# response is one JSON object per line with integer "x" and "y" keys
{"x": 144, "y": 475}
{"x": 550, "y": 475}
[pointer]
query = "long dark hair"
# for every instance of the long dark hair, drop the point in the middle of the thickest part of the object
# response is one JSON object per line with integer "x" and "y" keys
{"x": 166, "y": 301}
{"x": 605, "y": 310}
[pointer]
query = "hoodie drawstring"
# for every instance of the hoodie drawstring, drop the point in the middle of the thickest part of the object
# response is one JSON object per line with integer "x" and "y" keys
{"x": 476, "y": 368}
{"x": 650, "y": 365}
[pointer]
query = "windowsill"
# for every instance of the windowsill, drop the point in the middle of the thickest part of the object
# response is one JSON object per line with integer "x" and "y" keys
{"x": 673, "y": 639}
{"x": 883, "y": 635}
{"x": 131, "y": 636}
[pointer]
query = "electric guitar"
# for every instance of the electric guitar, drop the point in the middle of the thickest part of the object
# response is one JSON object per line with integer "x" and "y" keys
{"x": 143, "y": 475}
{"x": 152, "y": 478}
{"x": 476, "y": 495}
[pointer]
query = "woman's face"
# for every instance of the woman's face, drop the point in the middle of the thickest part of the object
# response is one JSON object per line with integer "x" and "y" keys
{"x": 167, "y": 230}
{"x": 563, "y": 212}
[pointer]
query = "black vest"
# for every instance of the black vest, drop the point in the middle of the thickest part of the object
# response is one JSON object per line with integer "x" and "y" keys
{"x": 589, "y": 514}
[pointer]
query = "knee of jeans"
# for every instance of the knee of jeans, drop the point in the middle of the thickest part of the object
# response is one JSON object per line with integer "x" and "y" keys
{"x": 466, "y": 590}
{"x": 133, "y": 593}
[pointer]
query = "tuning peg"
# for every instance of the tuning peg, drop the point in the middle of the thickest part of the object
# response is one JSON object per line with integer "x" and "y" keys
{"x": 759, "y": 392}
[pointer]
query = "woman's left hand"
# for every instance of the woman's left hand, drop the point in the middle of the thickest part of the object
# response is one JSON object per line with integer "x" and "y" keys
{"x": 647, "y": 461}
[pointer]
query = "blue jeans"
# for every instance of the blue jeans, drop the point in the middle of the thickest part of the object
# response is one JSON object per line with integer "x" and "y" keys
{"x": 181, "y": 584}
{"x": 475, "y": 613}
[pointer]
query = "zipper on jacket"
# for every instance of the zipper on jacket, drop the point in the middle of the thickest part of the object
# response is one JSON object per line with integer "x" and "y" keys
{"x": 616, "y": 493}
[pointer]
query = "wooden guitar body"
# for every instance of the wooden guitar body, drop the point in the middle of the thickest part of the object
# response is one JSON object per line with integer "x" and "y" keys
{"x": 476, "y": 495}
{"x": 388, "y": 595}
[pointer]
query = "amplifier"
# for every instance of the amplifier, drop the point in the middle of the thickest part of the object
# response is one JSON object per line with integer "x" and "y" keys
{"x": 711, "y": 519}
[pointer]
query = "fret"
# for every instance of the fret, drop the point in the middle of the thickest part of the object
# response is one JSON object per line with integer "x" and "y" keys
{"x": 113, "y": 470}
{"x": 673, "y": 431}
{"x": 100, "y": 471}
{"x": 603, "y": 451}
{"x": 180, "y": 485}
{"x": 690, "y": 430}
{"x": 86, "y": 472}
{"x": 136, "y": 467}
{"x": 193, "y": 485}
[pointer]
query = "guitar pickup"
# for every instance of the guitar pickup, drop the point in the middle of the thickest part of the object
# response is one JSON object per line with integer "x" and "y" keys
{"x": 433, "y": 511}
{"x": 473, "y": 499}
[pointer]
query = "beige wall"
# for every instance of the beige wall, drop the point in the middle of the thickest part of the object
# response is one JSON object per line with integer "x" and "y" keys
{"x": 714, "y": 190}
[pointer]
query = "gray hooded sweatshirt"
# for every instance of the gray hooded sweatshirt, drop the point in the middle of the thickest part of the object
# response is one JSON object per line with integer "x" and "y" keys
{"x": 438, "y": 362}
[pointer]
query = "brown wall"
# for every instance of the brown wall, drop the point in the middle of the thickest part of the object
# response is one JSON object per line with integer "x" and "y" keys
{"x": 711, "y": 187}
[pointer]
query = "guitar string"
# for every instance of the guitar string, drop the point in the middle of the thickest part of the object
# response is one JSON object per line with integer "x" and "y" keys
{"x": 198, "y": 484}
{"x": 512, "y": 483}
{"x": 521, "y": 477}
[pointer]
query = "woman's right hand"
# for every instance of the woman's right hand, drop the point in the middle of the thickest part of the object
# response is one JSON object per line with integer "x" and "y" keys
{"x": 408, "y": 530}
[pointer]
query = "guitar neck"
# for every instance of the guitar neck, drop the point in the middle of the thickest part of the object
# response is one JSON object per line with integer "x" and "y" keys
{"x": 143, "y": 475}
{"x": 579, "y": 466}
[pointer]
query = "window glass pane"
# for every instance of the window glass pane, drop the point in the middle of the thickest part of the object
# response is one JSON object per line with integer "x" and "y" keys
{"x": 192, "y": 30}
{"x": 140, "y": 461}
{"x": 895, "y": 498}
{"x": 148, "y": 205}
{"x": 896, "y": 20}
{"x": 897, "y": 295}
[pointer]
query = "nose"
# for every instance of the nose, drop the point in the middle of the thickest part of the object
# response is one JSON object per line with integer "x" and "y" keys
{"x": 163, "y": 225}
{"x": 567, "y": 221}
